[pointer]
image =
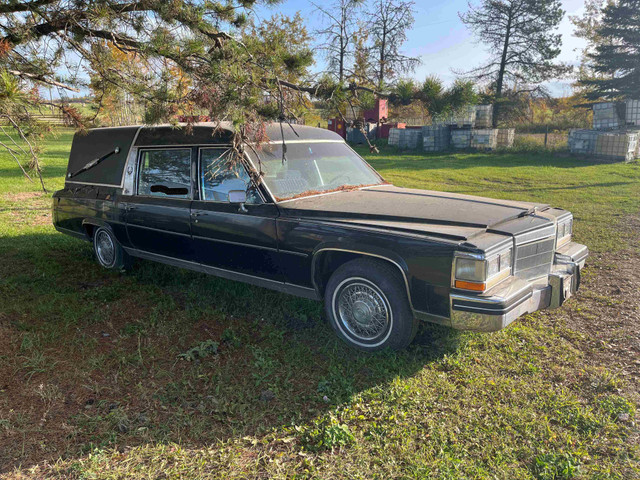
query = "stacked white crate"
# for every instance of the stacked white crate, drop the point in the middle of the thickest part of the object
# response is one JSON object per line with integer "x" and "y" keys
{"x": 606, "y": 117}
{"x": 633, "y": 113}
{"x": 617, "y": 145}
{"x": 583, "y": 141}
{"x": 463, "y": 117}
{"x": 484, "y": 116}
{"x": 506, "y": 137}
{"x": 410, "y": 139}
{"x": 436, "y": 138}
{"x": 484, "y": 139}
{"x": 461, "y": 139}
{"x": 394, "y": 136}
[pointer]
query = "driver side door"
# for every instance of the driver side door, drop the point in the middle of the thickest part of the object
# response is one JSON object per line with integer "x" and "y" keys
{"x": 226, "y": 236}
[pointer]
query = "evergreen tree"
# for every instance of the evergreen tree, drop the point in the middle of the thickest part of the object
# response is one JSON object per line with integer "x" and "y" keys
{"x": 617, "y": 59}
{"x": 587, "y": 27}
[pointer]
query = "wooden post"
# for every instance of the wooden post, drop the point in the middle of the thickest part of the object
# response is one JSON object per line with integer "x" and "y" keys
{"x": 546, "y": 137}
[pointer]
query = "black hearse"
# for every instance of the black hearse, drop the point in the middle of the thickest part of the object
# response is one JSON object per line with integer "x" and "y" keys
{"x": 317, "y": 222}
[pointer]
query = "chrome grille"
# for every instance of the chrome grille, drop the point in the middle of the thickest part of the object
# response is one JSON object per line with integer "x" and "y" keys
{"x": 534, "y": 259}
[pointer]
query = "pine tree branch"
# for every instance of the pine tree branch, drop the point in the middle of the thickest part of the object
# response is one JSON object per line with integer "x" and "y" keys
{"x": 42, "y": 79}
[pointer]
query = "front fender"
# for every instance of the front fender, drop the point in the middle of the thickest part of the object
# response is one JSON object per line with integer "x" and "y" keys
{"x": 365, "y": 251}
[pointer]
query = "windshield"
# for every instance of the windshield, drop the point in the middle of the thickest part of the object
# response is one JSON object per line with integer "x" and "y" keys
{"x": 312, "y": 168}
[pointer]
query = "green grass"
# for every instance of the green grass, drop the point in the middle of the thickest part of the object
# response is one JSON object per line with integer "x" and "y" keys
{"x": 164, "y": 373}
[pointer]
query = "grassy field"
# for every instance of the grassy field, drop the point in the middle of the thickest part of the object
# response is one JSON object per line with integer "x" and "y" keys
{"x": 163, "y": 373}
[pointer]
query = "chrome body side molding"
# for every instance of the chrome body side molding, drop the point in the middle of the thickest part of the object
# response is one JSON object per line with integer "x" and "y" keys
{"x": 296, "y": 290}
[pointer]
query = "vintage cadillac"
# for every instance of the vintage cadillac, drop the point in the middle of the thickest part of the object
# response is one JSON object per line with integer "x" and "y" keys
{"x": 317, "y": 222}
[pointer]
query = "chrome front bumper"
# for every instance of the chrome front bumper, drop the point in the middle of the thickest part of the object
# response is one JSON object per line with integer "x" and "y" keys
{"x": 503, "y": 304}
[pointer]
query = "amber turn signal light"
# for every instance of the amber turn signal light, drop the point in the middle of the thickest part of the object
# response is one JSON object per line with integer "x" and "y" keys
{"x": 476, "y": 287}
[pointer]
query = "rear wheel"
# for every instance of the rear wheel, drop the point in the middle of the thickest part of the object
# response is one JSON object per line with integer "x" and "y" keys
{"x": 109, "y": 252}
{"x": 367, "y": 305}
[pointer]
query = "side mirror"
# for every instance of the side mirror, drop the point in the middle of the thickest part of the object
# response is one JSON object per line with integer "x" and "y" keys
{"x": 238, "y": 196}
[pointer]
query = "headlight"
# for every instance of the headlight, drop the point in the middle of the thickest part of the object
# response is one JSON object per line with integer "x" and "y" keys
{"x": 472, "y": 270}
{"x": 564, "y": 230}
{"x": 480, "y": 274}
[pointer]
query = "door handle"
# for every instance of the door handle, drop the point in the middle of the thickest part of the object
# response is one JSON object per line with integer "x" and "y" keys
{"x": 198, "y": 214}
{"x": 195, "y": 215}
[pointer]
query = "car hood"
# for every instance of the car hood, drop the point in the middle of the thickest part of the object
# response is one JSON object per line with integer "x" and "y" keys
{"x": 449, "y": 215}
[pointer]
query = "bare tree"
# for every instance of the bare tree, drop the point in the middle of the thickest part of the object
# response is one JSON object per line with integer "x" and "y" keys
{"x": 522, "y": 42}
{"x": 389, "y": 21}
{"x": 338, "y": 35}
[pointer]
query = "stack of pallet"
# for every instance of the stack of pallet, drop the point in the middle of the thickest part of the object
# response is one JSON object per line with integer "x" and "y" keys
{"x": 394, "y": 136}
{"x": 506, "y": 137}
{"x": 435, "y": 138}
{"x": 617, "y": 145}
{"x": 410, "y": 139}
{"x": 461, "y": 139}
{"x": 463, "y": 118}
{"x": 484, "y": 139}
{"x": 633, "y": 113}
{"x": 615, "y": 133}
{"x": 469, "y": 127}
{"x": 583, "y": 141}
{"x": 357, "y": 136}
{"x": 606, "y": 117}
{"x": 484, "y": 116}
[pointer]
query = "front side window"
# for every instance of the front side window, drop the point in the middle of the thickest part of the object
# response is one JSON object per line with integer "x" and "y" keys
{"x": 219, "y": 175}
{"x": 165, "y": 173}
{"x": 312, "y": 168}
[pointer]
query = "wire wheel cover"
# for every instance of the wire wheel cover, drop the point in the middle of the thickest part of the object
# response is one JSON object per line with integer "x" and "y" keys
{"x": 363, "y": 310}
{"x": 105, "y": 249}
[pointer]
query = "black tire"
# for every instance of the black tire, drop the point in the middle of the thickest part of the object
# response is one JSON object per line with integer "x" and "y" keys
{"x": 355, "y": 300}
{"x": 108, "y": 251}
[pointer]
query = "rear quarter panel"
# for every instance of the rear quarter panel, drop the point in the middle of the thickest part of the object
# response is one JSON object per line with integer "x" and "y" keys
{"x": 73, "y": 208}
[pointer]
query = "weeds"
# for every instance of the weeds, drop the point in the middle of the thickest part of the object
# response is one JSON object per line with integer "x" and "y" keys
{"x": 327, "y": 434}
{"x": 551, "y": 466}
{"x": 202, "y": 350}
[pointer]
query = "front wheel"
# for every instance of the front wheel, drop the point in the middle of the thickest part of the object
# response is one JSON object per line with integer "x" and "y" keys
{"x": 367, "y": 305}
{"x": 108, "y": 251}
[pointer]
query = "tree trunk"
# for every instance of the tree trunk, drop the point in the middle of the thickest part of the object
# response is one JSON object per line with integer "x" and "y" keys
{"x": 341, "y": 66}
{"x": 503, "y": 67}
{"x": 343, "y": 41}
{"x": 383, "y": 45}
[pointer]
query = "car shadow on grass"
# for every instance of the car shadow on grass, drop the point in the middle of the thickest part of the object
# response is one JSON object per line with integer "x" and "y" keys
{"x": 96, "y": 359}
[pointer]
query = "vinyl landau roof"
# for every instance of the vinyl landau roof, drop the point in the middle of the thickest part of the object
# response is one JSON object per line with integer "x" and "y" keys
{"x": 103, "y": 142}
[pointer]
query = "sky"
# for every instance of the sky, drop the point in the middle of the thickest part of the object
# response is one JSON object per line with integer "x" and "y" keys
{"x": 441, "y": 40}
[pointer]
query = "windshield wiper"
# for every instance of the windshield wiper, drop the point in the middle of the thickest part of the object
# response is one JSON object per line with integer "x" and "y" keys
{"x": 93, "y": 163}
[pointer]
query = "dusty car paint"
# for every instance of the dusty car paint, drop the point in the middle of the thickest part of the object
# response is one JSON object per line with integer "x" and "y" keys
{"x": 291, "y": 246}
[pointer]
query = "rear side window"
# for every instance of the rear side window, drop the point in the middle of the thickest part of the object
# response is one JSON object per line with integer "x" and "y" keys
{"x": 165, "y": 173}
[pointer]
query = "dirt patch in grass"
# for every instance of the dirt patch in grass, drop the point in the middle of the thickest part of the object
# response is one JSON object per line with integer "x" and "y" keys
{"x": 607, "y": 313}
{"x": 22, "y": 196}
{"x": 28, "y": 208}
{"x": 41, "y": 217}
